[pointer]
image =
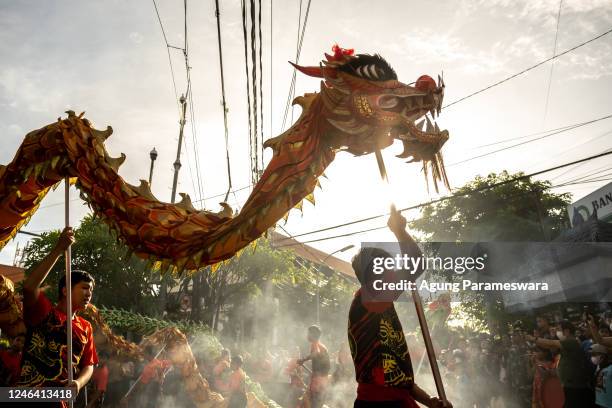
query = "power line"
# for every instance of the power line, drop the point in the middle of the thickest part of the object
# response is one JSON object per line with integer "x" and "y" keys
{"x": 229, "y": 172}
{"x": 511, "y": 139}
{"x": 552, "y": 64}
{"x": 531, "y": 140}
{"x": 176, "y": 98}
{"x": 527, "y": 69}
{"x": 384, "y": 226}
{"x": 168, "y": 46}
{"x": 189, "y": 164}
{"x": 255, "y": 146}
{"x": 189, "y": 95}
{"x": 271, "y": 76}
{"x": 57, "y": 204}
{"x": 261, "y": 109}
{"x": 29, "y": 233}
{"x": 196, "y": 149}
{"x": 595, "y": 172}
{"x": 582, "y": 182}
{"x": 297, "y": 60}
{"x": 248, "y": 84}
{"x": 581, "y": 164}
{"x": 223, "y": 194}
{"x": 348, "y": 234}
{"x": 194, "y": 201}
{"x": 297, "y": 45}
{"x": 454, "y": 196}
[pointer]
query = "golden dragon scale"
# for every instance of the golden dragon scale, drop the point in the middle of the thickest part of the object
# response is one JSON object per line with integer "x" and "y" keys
{"x": 361, "y": 108}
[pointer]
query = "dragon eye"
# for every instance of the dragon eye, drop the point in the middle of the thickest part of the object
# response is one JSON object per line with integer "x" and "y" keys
{"x": 388, "y": 101}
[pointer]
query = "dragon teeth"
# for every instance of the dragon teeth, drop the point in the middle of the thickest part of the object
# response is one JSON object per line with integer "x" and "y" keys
{"x": 420, "y": 124}
{"x": 430, "y": 127}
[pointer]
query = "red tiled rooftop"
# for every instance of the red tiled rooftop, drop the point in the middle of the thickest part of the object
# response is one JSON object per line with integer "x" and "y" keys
{"x": 311, "y": 254}
{"x": 14, "y": 273}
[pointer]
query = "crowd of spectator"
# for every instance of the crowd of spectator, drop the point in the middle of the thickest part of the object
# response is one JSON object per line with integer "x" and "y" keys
{"x": 558, "y": 363}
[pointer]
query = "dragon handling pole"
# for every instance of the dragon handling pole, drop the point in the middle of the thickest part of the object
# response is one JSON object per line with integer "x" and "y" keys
{"x": 127, "y": 394}
{"x": 418, "y": 305}
{"x": 68, "y": 293}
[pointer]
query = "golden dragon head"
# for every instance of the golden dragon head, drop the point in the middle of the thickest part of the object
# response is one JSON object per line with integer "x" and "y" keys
{"x": 368, "y": 108}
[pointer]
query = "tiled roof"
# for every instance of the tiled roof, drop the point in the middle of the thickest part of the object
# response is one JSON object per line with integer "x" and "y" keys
{"x": 14, "y": 273}
{"x": 311, "y": 254}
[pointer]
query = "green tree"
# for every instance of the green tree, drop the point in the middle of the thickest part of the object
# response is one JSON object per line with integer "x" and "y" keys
{"x": 524, "y": 210}
{"x": 121, "y": 282}
{"x": 261, "y": 290}
{"x": 245, "y": 276}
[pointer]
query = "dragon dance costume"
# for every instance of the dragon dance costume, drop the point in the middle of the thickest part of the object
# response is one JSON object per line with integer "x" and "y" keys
{"x": 361, "y": 108}
{"x": 44, "y": 355}
{"x": 382, "y": 363}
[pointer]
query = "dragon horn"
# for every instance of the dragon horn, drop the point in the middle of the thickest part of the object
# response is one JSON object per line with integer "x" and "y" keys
{"x": 318, "y": 72}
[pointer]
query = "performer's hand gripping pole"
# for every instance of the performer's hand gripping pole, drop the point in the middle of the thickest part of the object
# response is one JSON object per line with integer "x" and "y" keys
{"x": 68, "y": 257}
{"x": 418, "y": 305}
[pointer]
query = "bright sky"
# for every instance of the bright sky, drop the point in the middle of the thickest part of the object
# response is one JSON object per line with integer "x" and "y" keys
{"x": 109, "y": 59}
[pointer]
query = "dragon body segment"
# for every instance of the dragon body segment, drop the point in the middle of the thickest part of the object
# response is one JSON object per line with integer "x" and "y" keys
{"x": 361, "y": 108}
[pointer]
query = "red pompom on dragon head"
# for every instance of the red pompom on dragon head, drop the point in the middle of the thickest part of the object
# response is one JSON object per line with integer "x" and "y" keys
{"x": 368, "y": 108}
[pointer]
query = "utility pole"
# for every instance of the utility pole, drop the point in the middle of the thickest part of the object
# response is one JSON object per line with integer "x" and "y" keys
{"x": 17, "y": 255}
{"x": 153, "y": 155}
{"x": 537, "y": 195}
{"x": 177, "y": 162}
{"x": 163, "y": 290}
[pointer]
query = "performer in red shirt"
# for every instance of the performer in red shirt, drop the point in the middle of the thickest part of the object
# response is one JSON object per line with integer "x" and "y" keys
{"x": 320, "y": 367}
{"x": 237, "y": 385}
{"x": 44, "y": 355}
{"x": 221, "y": 372}
{"x": 380, "y": 354}
{"x": 10, "y": 361}
{"x": 100, "y": 381}
{"x": 149, "y": 387}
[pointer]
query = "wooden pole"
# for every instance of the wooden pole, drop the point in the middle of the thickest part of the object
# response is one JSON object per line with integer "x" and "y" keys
{"x": 68, "y": 256}
{"x": 418, "y": 305}
{"x": 431, "y": 352}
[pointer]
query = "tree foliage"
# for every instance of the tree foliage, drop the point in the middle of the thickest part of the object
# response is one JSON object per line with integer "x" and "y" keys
{"x": 239, "y": 279}
{"x": 524, "y": 210}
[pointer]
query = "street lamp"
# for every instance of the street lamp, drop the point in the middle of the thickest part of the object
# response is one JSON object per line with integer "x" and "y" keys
{"x": 153, "y": 155}
{"x": 346, "y": 248}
